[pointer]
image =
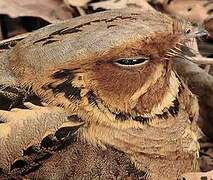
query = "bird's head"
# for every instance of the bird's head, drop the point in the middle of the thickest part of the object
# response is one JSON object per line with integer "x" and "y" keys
{"x": 129, "y": 66}
{"x": 120, "y": 60}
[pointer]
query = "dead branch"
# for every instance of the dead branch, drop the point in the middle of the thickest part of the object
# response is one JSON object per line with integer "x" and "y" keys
{"x": 200, "y": 82}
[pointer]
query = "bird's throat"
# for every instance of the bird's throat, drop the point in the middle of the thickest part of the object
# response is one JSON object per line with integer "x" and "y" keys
{"x": 166, "y": 108}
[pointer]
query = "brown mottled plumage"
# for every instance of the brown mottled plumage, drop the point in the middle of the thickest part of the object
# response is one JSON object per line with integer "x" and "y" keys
{"x": 113, "y": 70}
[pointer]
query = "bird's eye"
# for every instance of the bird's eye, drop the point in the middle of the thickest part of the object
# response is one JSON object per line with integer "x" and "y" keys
{"x": 131, "y": 62}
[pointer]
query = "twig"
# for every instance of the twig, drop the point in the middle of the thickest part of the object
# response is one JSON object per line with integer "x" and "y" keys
{"x": 200, "y": 60}
{"x": 206, "y": 145}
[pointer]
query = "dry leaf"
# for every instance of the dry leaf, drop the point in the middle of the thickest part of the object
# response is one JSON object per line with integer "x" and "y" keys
{"x": 49, "y": 10}
{"x": 77, "y": 2}
{"x": 208, "y": 23}
{"x": 206, "y": 163}
{"x": 198, "y": 175}
{"x": 193, "y": 9}
{"x": 118, "y": 4}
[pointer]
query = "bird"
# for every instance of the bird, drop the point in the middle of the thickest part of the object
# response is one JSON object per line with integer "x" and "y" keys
{"x": 111, "y": 73}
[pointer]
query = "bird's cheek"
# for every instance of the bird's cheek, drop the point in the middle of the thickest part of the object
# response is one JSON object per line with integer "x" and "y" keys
{"x": 115, "y": 87}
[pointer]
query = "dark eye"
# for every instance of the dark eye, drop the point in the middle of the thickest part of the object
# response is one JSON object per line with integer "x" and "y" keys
{"x": 131, "y": 62}
{"x": 188, "y": 31}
